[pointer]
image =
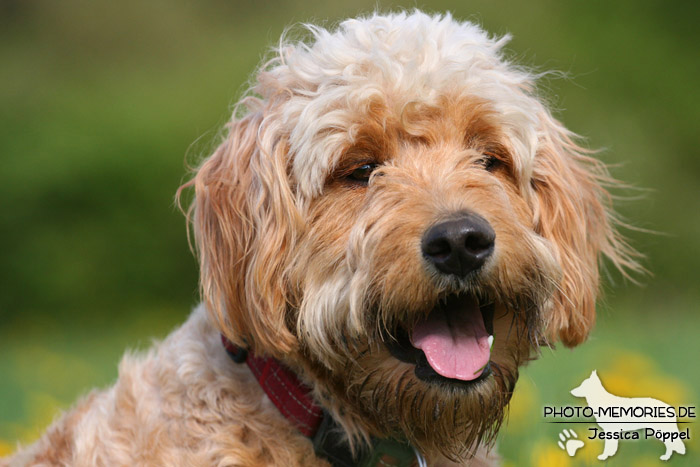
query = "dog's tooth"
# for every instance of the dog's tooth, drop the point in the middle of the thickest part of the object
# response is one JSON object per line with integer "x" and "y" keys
{"x": 490, "y": 342}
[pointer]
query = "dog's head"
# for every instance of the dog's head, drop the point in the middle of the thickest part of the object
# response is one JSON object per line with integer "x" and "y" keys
{"x": 395, "y": 214}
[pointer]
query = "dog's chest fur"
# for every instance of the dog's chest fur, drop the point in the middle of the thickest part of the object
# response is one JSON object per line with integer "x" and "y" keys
{"x": 182, "y": 403}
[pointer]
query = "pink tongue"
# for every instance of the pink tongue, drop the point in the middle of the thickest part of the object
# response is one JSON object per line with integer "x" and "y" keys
{"x": 454, "y": 340}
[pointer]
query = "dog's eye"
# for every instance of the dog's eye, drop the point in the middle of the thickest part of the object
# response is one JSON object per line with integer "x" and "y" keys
{"x": 361, "y": 174}
{"x": 491, "y": 162}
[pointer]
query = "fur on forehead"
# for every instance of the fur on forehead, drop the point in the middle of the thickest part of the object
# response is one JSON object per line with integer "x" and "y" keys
{"x": 395, "y": 61}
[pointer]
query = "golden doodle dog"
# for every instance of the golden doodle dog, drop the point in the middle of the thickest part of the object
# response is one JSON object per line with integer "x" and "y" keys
{"x": 393, "y": 224}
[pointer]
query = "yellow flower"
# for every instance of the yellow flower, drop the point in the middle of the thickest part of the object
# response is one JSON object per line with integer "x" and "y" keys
{"x": 548, "y": 454}
{"x": 635, "y": 375}
{"x": 5, "y": 448}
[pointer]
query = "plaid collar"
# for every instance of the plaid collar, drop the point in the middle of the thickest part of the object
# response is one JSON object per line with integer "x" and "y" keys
{"x": 294, "y": 400}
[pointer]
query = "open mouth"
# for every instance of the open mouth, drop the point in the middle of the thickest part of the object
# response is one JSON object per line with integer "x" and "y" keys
{"x": 452, "y": 345}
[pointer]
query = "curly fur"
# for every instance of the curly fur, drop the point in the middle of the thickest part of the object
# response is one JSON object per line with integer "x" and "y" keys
{"x": 300, "y": 264}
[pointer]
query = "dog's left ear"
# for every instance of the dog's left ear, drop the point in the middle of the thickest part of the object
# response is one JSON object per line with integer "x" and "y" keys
{"x": 572, "y": 210}
{"x": 243, "y": 217}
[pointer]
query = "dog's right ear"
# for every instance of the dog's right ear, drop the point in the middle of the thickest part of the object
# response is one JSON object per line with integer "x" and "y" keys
{"x": 241, "y": 216}
{"x": 574, "y": 212}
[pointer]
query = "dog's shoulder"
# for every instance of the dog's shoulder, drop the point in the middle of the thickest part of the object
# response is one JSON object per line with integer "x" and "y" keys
{"x": 182, "y": 402}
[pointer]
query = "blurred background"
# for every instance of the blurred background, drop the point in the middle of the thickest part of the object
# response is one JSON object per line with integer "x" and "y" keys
{"x": 104, "y": 105}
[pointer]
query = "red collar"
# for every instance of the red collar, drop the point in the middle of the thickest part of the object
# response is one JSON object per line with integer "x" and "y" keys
{"x": 292, "y": 397}
{"x": 295, "y": 401}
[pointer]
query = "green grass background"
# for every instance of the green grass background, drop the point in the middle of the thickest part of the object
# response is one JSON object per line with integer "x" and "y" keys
{"x": 102, "y": 103}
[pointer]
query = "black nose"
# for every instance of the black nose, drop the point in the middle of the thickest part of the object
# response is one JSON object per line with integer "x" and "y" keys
{"x": 459, "y": 246}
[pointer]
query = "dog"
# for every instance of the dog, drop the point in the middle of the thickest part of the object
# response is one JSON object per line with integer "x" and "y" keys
{"x": 601, "y": 401}
{"x": 393, "y": 223}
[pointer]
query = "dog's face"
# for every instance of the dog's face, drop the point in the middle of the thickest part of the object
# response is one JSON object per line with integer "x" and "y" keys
{"x": 401, "y": 219}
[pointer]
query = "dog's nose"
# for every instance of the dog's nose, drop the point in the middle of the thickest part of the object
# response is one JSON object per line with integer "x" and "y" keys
{"x": 459, "y": 246}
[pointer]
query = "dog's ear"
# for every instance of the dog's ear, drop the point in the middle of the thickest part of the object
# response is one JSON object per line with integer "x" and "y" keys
{"x": 241, "y": 215}
{"x": 573, "y": 211}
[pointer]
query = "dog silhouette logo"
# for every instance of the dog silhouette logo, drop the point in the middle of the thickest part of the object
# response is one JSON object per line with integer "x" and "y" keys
{"x": 623, "y": 418}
